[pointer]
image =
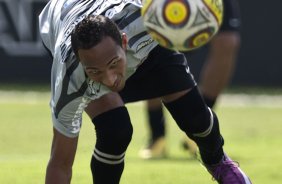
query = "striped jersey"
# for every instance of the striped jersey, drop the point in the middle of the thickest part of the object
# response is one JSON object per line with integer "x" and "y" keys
{"x": 71, "y": 90}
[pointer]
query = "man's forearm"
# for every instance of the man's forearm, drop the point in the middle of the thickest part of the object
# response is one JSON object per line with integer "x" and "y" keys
{"x": 58, "y": 175}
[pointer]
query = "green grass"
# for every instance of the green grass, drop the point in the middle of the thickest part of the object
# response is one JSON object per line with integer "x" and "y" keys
{"x": 252, "y": 137}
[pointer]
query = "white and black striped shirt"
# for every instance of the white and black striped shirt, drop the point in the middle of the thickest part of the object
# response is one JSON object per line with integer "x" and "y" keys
{"x": 71, "y": 90}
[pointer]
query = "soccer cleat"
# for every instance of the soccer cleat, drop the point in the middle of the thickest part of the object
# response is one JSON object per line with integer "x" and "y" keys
{"x": 228, "y": 172}
{"x": 190, "y": 146}
{"x": 156, "y": 149}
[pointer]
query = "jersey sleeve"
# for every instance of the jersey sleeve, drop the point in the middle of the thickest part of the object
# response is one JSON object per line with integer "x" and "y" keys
{"x": 44, "y": 27}
{"x": 68, "y": 120}
{"x": 68, "y": 95}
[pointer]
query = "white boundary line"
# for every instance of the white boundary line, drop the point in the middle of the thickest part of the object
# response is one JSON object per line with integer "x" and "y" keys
{"x": 29, "y": 97}
{"x": 236, "y": 100}
{"x": 250, "y": 100}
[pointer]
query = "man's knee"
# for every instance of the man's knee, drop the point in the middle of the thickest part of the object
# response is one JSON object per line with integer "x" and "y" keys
{"x": 191, "y": 113}
{"x": 113, "y": 132}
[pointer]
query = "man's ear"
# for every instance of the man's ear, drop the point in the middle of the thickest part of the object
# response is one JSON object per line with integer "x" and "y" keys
{"x": 124, "y": 41}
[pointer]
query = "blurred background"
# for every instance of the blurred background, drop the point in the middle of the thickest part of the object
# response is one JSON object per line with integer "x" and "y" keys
{"x": 23, "y": 58}
{"x": 251, "y": 125}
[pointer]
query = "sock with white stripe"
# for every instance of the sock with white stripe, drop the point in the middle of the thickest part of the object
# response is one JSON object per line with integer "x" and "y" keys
{"x": 210, "y": 101}
{"x": 199, "y": 123}
{"x": 105, "y": 173}
{"x": 113, "y": 134}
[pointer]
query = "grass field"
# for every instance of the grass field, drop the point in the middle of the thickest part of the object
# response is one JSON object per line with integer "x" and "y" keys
{"x": 252, "y": 128}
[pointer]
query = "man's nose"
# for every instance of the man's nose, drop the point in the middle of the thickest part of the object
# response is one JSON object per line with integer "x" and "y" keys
{"x": 109, "y": 78}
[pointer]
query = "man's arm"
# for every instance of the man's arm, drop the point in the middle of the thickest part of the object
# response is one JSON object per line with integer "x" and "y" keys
{"x": 59, "y": 169}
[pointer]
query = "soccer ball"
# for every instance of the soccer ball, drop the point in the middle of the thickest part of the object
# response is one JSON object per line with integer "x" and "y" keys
{"x": 182, "y": 24}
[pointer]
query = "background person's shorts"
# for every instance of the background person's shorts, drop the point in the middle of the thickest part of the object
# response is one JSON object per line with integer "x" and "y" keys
{"x": 231, "y": 16}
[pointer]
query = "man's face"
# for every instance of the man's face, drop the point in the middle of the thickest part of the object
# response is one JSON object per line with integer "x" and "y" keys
{"x": 105, "y": 63}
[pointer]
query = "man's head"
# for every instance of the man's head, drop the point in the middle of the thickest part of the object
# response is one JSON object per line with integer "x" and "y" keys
{"x": 100, "y": 47}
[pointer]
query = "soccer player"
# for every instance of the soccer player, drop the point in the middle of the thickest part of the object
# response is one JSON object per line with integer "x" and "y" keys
{"x": 215, "y": 75}
{"x": 104, "y": 58}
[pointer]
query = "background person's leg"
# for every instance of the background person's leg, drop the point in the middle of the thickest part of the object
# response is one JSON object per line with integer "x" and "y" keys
{"x": 156, "y": 145}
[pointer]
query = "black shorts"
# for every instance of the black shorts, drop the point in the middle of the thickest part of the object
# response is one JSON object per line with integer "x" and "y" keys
{"x": 163, "y": 72}
{"x": 231, "y": 16}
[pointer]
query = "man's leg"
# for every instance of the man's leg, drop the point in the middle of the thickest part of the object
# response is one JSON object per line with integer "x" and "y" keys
{"x": 200, "y": 123}
{"x": 156, "y": 118}
{"x": 155, "y": 147}
{"x": 217, "y": 71}
{"x": 219, "y": 66}
{"x": 194, "y": 118}
{"x": 113, "y": 134}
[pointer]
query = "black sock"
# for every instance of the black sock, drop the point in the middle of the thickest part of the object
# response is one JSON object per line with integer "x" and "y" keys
{"x": 113, "y": 135}
{"x": 211, "y": 146}
{"x": 199, "y": 123}
{"x": 101, "y": 172}
{"x": 209, "y": 101}
{"x": 156, "y": 123}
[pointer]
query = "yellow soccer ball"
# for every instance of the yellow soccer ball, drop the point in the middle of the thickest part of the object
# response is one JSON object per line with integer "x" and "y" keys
{"x": 182, "y": 24}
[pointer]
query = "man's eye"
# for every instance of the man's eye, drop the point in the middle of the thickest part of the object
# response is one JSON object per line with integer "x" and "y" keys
{"x": 114, "y": 63}
{"x": 93, "y": 72}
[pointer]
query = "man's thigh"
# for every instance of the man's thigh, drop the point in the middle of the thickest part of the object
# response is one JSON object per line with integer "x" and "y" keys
{"x": 164, "y": 72}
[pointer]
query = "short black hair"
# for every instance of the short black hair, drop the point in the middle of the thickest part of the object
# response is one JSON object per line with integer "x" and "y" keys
{"x": 91, "y": 30}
